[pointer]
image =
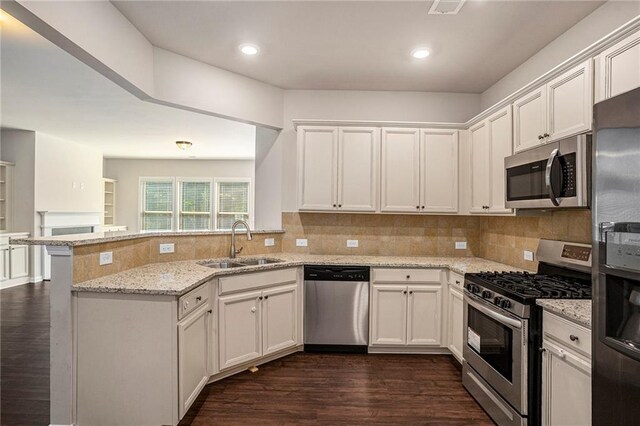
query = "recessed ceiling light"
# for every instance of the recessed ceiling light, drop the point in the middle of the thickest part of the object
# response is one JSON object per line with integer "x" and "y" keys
{"x": 249, "y": 49}
{"x": 420, "y": 53}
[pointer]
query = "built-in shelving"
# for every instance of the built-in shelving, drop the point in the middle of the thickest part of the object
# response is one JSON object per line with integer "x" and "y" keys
{"x": 109, "y": 202}
{"x": 6, "y": 170}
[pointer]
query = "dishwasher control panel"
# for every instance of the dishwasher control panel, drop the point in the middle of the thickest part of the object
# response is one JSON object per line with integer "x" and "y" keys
{"x": 337, "y": 273}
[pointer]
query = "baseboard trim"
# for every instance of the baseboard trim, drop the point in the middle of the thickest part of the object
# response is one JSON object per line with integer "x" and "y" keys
{"x": 35, "y": 280}
{"x": 419, "y": 350}
{"x": 9, "y": 284}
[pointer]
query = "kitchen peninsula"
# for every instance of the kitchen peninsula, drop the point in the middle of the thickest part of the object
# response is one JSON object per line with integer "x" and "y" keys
{"x": 166, "y": 328}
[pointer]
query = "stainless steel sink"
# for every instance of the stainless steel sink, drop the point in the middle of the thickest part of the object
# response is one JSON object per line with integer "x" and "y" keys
{"x": 223, "y": 265}
{"x": 259, "y": 261}
{"x": 239, "y": 263}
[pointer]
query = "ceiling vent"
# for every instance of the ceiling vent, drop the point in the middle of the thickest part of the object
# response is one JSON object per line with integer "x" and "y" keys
{"x": 446, "y": 7}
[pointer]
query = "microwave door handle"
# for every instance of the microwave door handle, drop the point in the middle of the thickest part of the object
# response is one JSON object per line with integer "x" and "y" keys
{"x": 547, "y": 177}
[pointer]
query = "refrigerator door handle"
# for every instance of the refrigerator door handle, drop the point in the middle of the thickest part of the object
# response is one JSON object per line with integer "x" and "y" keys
{"x": 547, "y": 177}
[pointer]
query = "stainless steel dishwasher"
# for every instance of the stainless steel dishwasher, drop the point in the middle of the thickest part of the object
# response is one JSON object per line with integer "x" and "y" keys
{"x": 336, "y": 308}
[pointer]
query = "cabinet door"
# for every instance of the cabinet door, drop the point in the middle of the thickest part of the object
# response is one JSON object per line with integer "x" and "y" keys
{"x": 388, "y": 315}
{"x": 530, "y": 120}
{"x": 566, "y": 387}
{"x": 423, "y": 315}
{"x": 359, "y": 169}
{"x": 279, "y": 318}
{"x": 439, "y": 170}
{"x": 618, "y": 68}
{"x": 570, "y": 102}
{"x": 480, "y": 167}
{"x": 194, "y": 356}
{"x": 5, "y": 263}
{"x": 19, "y": 256}
{"x": 400, "y": 170}
{"x": 455, "y": 318}
{"x": 501, "y": 147}
{"x": 317, "y": 167}
{"x": 240, "y": 327}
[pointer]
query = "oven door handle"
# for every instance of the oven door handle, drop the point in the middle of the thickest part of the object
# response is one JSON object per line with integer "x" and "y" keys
{"x": 547, "y": 176}
{"x": 496, "y": 315}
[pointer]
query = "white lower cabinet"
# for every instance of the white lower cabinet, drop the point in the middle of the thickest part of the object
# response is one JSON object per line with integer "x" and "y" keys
{"x": 455, "y": 324}
{"x": 19, "y": 256}
{"x": 5, "y": 261}
{"x": 566, "y": 373}
{"x": 240, "y": 328}
{"x": 280, "y": 318}
{"x": 406, "y": 308}
{"x": 14, "y": 261}
{"x": 194, "y": 355}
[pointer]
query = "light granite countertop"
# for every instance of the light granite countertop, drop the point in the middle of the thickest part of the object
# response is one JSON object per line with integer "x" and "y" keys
{"x": 177, "y": 278}
{"x": 76, "y": 240}
{"x": 575, "y": 310}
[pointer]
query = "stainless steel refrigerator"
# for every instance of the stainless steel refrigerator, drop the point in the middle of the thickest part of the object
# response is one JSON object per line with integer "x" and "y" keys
{"x": 616, "y": 262}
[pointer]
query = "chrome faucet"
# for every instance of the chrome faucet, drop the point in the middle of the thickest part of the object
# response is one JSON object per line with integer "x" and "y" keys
{"x": 233, "y": 251}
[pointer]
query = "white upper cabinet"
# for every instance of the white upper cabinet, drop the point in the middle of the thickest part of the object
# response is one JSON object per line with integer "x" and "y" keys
{"x": 570, "y": 102}
{"x": 618, "y": 68}
{"x": 400, "y": 170}
{"x": 338, "y": 168}
{"x": 530, "y": 119}
{"x": 358, "y": 168}
{"x": 439, "y": 170}
{"x": 480, "y": 167}
{"x": 491, "y": 142}
{"x": 317, "y": 167}
{"x": 561, "y": 108}
{"x": 499, "y": 125}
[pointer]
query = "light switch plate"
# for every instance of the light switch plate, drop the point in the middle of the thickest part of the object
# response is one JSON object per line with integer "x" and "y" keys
{"x": 301, "y": 242}
{"x": 352, "y": 243}
{"x": 528, "y": 255}
{"x": 269, "y": 242}
{"x": 167, "y": 248}
{"x": 106, "y": 258}
{"x": 461, "y": 245}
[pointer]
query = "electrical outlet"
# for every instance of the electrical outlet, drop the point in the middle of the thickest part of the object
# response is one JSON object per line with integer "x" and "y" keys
{"x": 461, "y": 245}
{"x": 528, "y": 255}
{"x": 167, "y": 248}
{"x": 301, "y": 242}
{"x": 269, "y": 242}
{"x": 352, "y": 243}
{"x": 106, "y": 258}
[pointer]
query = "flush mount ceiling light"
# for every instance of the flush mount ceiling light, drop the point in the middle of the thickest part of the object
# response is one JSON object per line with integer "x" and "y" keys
{"x": 446, "y": 7}
{"x": 249, "y": 49}
{"x": 184, "y": 145}
{"x": 420, "y": 53}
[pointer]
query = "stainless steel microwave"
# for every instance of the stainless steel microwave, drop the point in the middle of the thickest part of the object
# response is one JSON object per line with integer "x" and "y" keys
{"x": 554, "y": 175}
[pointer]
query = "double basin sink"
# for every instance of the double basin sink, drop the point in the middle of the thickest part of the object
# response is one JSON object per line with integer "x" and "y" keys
{"x": 239, "y": 263}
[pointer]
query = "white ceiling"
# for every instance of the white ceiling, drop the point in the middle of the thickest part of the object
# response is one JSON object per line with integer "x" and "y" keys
{"x": 358, "y": 45}
{"x": 47, "y": 90}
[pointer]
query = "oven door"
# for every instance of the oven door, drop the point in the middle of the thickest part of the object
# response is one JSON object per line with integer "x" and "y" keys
{"x": 495, "y": 346}
{"x": 553, "y": 175}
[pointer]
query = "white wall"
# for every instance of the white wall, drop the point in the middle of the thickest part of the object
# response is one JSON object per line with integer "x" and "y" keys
{"x": 268, "y": 188}
{"x": 128, "y": 172}
{"x": 68, "y": 176}
{"x": 362, "y": 105}
{"x": 595, "y": 26}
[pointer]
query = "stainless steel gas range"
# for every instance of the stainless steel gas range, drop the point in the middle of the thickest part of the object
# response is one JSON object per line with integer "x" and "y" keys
{"x": 503, "y": 328}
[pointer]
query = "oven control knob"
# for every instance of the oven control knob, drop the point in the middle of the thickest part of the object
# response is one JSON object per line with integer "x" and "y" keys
{"x": 504, "y": 304}
{"x": 473, "y": 288}
{"x": 497, "y": 300}
{"x": 486, "y": 294}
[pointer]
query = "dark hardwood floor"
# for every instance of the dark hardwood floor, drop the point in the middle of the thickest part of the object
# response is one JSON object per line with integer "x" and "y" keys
{"x": 298, "y": 389}
{"x": 333, "y": 389}
{"x": 24, "y": 355}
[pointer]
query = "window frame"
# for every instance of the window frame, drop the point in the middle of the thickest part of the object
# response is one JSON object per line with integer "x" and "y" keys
{"x": 141, "y": 202}
{"x": 178, "y": 201}
{"x": 247, "y": 180}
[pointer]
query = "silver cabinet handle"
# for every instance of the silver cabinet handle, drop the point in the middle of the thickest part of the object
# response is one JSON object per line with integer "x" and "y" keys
{"x": 547, "y": 177}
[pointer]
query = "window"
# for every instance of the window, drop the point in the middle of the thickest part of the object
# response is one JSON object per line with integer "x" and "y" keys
{"x": 195, "y": 205}
{"x": 157, "y": 204}
{"x": 232, "y": 202}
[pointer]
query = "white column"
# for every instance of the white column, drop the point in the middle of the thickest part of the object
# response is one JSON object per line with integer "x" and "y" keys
{"x": 61, "y": 344}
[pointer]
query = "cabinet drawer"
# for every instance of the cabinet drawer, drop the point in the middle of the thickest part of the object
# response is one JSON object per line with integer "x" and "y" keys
{"x": 257, "y": 280}
{"x": 562, "y": 330}
{"x": 456, "y": 279}
{"x": 388, "y": 275}
{"x": 195, "y": 298}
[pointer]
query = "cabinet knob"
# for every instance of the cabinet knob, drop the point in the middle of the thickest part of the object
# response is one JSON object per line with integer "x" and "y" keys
{"x": 546, "y": 135}
{"x": 457, "y": 282}
{"x": 266, "y": 297}
{"x": 335, "y": 205}
{"x": 199, "y": 298}
{"x": 253, "y": 310}
{"x": 574, "y": 338}
{"x": 339, "y": 205}
{"x": 418, "y": 207}
{"x": 260, "y": 298}
{"x": 540, "y": 137}
{"x": 408, "y": 276}
{"x": 422, "y": 207}
{"x": 411, "y": 292}
{"x": 210, "y": 311}
{"x": 404, "y": 292}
